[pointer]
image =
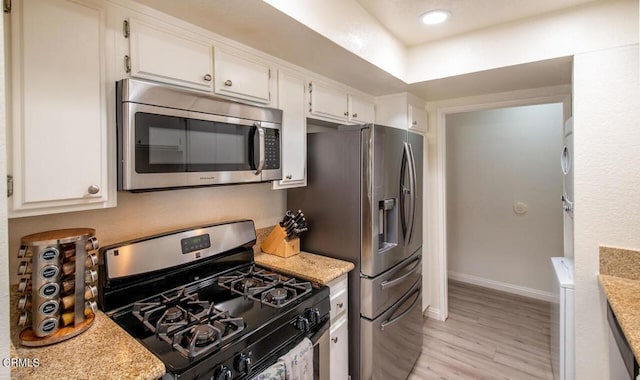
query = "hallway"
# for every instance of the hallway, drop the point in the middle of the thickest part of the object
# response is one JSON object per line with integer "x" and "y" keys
{"x": 489, "y": 335}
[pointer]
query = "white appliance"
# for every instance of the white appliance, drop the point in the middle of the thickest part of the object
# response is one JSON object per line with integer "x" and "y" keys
{"x": 566, "y": 163}
{"x": 562, "y": 327}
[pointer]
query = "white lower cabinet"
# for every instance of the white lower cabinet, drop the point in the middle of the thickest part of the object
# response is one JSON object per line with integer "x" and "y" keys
{"x": 339, "y": 333}
{"x": 58, "y": 125}
{"x": 339, "y": 351}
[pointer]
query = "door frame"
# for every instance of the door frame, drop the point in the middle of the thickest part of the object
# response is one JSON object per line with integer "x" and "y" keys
{"x": 438, "y": 112}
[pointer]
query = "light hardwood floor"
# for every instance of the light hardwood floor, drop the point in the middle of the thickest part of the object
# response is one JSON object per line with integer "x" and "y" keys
{"x": 488, "y": 335}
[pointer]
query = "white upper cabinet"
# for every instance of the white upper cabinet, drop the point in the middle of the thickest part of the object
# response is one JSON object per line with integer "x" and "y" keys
{"x": 404, "y": 111}
{"x": 242, "y": 78}
{"x": 337, "y": 105}
{"x": 417, "y": 118}
{"x": 168, "y": 57}
{"x": 58, "y": 133}
{"x": 361, "y": 110}
{"x": 291, "y": 89}
{"x": 328, "y": 102}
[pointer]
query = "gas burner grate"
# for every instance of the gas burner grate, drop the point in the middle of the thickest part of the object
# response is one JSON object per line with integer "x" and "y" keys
{"x": 268, "y": 288}
{"x": 171, "y": 311}
{"x": 205, "y": 336}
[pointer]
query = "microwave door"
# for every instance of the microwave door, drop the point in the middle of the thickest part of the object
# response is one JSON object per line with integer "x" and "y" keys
{"x": 220, "y": 152}
{"x": 155, "y": 150}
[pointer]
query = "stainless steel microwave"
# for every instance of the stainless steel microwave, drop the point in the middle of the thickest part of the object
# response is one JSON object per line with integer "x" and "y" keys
{"x": 170, "y": 137}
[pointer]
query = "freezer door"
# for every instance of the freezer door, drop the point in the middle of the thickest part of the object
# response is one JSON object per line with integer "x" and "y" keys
{"x": 379, "y": 293}
{"x": 392, "y": 343}
{"x": 383, "y": 159}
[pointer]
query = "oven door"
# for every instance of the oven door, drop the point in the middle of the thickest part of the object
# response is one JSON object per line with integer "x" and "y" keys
{"x": 320, "y": 339}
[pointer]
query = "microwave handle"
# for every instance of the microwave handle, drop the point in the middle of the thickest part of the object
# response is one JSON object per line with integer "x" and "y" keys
{"x": 262, "y": 147}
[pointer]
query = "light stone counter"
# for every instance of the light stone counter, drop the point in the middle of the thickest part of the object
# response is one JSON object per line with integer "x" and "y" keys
{"x": 308, "y": 266}
{"x": 620, "y": 280}
{"x": 104, "y": 351}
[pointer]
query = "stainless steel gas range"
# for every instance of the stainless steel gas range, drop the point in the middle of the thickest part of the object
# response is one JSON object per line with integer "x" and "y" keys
{"x": 197, "y": 301}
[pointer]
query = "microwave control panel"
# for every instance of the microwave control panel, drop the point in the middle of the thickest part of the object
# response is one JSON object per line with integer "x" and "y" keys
{"x": 271, "y": 149}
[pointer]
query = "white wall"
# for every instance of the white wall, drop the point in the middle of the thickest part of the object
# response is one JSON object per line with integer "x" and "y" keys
{"x": 607, "y": 183}
{"x": 349, "y": 25}
{"x": 142, "y": 214}
{"x": 495, "y": 158}
{"x": 596, "y": 25}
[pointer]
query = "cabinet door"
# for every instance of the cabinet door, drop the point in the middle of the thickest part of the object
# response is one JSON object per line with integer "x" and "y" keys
{"x": 417, "y": 118}
{"x": 59, "y": 125}
{"x": 242, "y": 78}
{"x": 294, "y": 130}
{"x": 328, "y": 102}
{"x": 339, "y": 349}
{"x": 361, "y": 110}
{"x": 166, "y": 57}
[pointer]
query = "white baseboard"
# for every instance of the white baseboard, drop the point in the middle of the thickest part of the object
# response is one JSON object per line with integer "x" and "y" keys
{"x": 503, "y": 286}
{"x": 433, "y": 313}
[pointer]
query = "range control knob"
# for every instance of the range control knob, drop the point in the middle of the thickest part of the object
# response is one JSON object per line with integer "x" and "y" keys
{"x": 222, "y": 373}
{"x": 313, "y": 315}
{"x": 302, "y": 324}
{"x": 242, "y": 363}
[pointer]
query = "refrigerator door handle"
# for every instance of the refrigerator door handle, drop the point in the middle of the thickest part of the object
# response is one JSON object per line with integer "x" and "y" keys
{"x": 391, "y": 321}
{"x": 389, "y": 283}
{"x": 404, "y": 191}
{"x": 413, "y": 195}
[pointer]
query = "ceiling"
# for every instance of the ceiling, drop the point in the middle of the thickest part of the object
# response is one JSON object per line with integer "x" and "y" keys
{"x": 400, "y": 17}
{"x": 257, "y": 24}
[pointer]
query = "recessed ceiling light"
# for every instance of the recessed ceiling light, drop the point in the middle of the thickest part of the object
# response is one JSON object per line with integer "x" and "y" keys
{"x": 434, "y": 17}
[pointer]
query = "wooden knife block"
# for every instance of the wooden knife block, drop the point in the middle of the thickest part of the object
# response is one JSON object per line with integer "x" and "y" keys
{"x": 277, "y": 244}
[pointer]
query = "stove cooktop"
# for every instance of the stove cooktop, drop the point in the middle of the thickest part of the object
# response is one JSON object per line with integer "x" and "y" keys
{"x": 205, "y": 319}
{"x": 195, "y": 299}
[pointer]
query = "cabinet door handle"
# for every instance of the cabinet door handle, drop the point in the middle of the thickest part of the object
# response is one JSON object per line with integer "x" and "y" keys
{"x": 355, "y": 115}
{"x": 289, "y": 176}
{"x": 207, "y": 77}
{"x": 228, "y": 83}
{"x": 414, "y": 123}
{"x": 339, "y": 305}
{"x": 335, "y": 339}
{"x": 93, "y": 189}
{"x": 346, "y": 113}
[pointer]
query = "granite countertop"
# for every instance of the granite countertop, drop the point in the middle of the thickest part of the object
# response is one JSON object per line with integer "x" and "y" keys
{"x": 620, "y": 280}
{"x": 308, "y": 266}
{"x": 104, "y": 351}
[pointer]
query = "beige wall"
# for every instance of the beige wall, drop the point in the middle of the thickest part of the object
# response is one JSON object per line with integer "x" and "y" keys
{"x": 497, "y": 157}
{"x": 142, "y": 214}
{"x": 607, "y": 182}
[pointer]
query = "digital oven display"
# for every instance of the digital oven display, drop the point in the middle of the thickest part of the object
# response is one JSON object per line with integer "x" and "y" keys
{"x": 195, "y": 243}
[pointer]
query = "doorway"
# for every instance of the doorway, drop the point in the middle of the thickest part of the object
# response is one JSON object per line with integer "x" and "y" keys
{"x": 490, "y": 191}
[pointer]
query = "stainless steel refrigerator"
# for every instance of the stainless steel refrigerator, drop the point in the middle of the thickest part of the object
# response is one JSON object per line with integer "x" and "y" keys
{"x": 363, "y": 202}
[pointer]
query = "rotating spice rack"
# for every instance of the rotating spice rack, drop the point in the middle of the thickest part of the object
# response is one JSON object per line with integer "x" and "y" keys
{"x": 56, "y": 303}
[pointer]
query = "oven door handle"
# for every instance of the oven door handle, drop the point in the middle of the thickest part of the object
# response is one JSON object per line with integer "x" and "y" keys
{"x": 389, "y": 322}
{"x": 262, "y": 147}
